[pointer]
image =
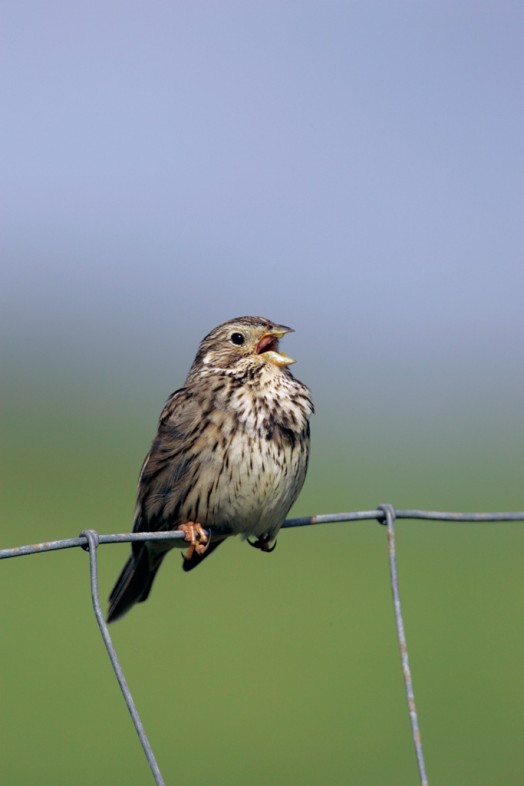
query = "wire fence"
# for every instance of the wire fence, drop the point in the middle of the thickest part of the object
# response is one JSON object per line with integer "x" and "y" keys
{"x": 385, "y": 514}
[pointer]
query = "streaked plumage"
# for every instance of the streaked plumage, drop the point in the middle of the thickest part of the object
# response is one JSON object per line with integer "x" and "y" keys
{"x": 231, "y": 451}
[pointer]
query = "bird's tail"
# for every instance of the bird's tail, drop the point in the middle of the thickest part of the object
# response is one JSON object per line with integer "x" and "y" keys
{"x": 195, "y": 559}
{"x": 134, "y": 583}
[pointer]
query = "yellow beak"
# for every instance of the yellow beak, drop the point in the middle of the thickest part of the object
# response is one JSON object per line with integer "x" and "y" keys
{"x": 267, "y": 347}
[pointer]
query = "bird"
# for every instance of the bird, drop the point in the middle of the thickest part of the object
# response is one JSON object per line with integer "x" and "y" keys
{"x": 230, "y": 454}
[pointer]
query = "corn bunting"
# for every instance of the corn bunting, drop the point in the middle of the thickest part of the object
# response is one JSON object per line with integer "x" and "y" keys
{"x": 230, "y": 454}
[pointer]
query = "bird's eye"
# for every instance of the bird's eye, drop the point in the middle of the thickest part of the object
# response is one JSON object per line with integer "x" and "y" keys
{"x": 237, "y": 338}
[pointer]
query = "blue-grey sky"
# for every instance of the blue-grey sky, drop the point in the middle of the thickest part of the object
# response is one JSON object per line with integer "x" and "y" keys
{"x": 353, "y": 169}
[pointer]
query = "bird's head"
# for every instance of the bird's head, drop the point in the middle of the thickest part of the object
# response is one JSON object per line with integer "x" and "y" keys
{"x": 244, "y": 342}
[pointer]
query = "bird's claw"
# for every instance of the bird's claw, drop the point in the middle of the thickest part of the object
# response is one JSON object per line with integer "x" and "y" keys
{"x": 196, "y": 536}
{"x": 263, "y": 544}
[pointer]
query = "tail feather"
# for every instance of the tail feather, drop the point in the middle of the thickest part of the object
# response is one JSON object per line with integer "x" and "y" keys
{"x": 195, "y": 559}
{"x": 134, "y": 583}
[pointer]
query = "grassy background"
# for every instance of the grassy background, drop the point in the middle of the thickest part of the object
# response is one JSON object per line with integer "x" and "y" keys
{"x": 264, "y": 669}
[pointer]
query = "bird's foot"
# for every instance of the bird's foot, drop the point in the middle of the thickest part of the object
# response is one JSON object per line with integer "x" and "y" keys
{"x": 196, "y": 536}
{"x": 263, "y": 544}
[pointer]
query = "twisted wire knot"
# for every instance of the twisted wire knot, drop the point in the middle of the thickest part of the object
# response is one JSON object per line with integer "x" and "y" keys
{"x": 92, "y": 537}
{"x": 388, "y": 511}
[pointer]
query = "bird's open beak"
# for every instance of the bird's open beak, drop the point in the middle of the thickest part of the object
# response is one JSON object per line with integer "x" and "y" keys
{"x": 267, "y": 347}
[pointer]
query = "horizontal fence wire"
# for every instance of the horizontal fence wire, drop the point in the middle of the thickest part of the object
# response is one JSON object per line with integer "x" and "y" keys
{"x": 385, "y": 514}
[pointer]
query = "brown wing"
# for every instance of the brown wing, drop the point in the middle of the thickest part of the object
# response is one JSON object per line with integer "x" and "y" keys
{"x": 168, "y": 474}
{"x": 171, "y": 466}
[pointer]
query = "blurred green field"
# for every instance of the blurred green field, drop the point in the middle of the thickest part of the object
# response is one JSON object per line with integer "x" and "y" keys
{"x": 263, "y": 669}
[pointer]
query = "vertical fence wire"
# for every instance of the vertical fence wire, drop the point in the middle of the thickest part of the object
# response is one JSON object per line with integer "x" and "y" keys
{"x": 389, "y": 514}
{"x": 384, "y": 514}
{"x": 92, "y": 539}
